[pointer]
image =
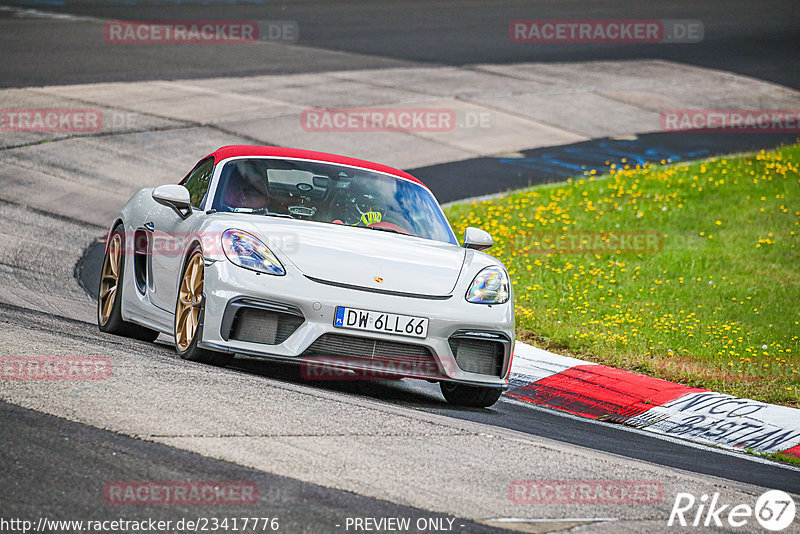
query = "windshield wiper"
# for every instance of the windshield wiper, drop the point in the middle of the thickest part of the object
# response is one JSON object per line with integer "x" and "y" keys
{"x": 271, "y": 214}
{"x": 380, "y": 229}
{"x": 384, "y": 229}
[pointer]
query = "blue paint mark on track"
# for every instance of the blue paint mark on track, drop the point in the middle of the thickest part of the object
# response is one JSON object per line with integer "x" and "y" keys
{"x": 484, "y": 176}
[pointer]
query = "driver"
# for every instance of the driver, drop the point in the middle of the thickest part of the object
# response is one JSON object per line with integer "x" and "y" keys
{"x": 246, "y": 188}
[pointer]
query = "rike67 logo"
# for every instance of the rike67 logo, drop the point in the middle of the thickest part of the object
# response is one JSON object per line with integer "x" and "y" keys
{"x": 774, "y": 510}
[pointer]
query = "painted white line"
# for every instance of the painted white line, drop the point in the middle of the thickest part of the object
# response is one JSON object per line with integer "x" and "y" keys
{"x": 29, "y": 13}
{"x": 550, "y": 520}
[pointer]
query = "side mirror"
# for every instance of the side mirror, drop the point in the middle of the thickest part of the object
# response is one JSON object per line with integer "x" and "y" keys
{"x": 176, "y": 197}
{"x": 477, "y": 238}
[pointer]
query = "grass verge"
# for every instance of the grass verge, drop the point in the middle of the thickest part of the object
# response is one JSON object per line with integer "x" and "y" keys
{"x": 780, "y": 457}
{"x": 688, "y": 272}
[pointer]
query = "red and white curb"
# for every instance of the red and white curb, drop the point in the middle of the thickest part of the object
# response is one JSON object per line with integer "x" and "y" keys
{"x": 604, "y": 393}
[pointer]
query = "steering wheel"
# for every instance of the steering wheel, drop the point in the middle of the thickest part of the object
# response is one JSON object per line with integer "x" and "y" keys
{"x": 366, "y": 216}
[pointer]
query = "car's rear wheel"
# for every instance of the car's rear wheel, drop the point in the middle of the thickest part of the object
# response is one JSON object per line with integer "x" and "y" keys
{"x": 109, "y": 295}
{"x": 472, "y": 396}
{"x": 189, "y": 315}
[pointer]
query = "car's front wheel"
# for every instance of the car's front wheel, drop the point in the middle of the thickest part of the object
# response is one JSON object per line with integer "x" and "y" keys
{"x": 109, "y": 295}
{"x": 189, "y": 315}
{"x": 472, "y": 396}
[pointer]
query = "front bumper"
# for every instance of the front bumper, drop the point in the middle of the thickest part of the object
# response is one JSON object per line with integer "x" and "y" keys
{"x": 228, "y": 287}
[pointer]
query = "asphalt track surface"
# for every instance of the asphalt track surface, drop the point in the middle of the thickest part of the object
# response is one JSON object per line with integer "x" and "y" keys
{"x": 77, "y": 461}
{"x": 58, "y": 468}
{"x": 516, "y": 415}
{"x": 758, "y": 39}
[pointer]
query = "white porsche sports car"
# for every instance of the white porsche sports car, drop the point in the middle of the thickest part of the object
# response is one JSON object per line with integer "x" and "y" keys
{"x": 332, "y": 262}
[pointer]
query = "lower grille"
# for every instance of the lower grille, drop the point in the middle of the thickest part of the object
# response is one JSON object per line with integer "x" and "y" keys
{"x": 478, "y": 355}
{"x": 404, "y": 358}
{"x": 263, "y": 326}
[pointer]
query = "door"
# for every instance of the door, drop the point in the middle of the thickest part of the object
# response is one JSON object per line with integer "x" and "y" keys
{"x": 172, "y": 236}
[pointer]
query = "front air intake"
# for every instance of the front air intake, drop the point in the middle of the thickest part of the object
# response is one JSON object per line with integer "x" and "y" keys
{"x": 255, "y": 325}
{"x": 478, "y": 355}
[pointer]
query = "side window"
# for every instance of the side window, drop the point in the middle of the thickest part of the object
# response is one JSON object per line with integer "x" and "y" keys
{"x": 198, "y": 180}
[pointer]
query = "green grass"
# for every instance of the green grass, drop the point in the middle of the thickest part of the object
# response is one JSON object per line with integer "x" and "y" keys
{"x": 717, "y": 307}
{"x": 785, "y": 458}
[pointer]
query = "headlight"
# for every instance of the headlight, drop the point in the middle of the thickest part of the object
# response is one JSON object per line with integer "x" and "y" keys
{"x": 247, "y": 251}
{"x": 490, "y": 286}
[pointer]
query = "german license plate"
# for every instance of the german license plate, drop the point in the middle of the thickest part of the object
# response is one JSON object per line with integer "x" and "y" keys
{"x": 385, "y": 323}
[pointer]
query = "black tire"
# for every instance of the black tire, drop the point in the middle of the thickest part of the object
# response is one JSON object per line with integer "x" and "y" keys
{"x": 193, "y": 353}
{"x": 471, "y": 396}
{"x": 115, "y": 324}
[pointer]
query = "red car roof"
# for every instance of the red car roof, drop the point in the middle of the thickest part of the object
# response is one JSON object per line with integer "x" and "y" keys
{"x": 232, "y": 151}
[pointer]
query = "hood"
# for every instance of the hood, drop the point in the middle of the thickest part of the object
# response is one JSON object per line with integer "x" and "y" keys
{"x": 357, "y": 256}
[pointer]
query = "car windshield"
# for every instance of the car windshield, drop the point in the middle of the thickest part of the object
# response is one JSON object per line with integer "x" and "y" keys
{"x": 328, "y": 193}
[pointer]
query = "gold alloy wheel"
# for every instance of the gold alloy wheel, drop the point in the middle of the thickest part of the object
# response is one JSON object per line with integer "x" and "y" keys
{"x": 109, "y": 281}
{"x": 190, "y": 298}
